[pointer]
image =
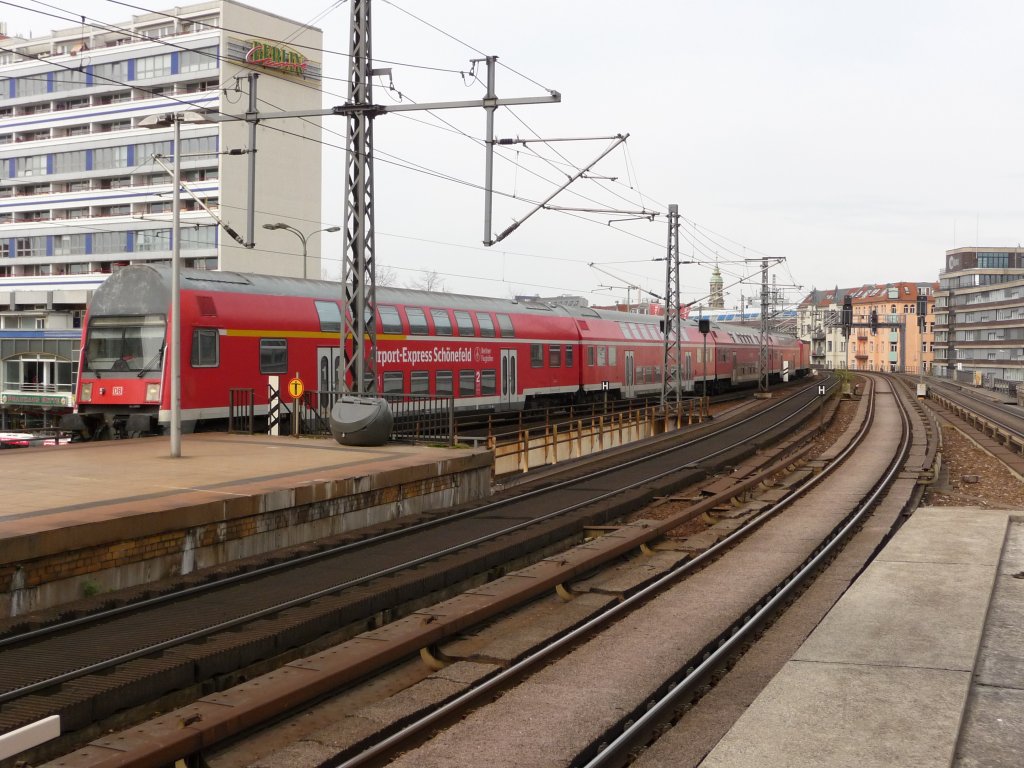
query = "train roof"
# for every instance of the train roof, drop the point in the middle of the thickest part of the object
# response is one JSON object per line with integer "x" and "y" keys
{"x": 140, "y": 288}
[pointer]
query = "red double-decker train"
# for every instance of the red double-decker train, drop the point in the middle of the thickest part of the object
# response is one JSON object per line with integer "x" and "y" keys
{"x": 238, "y": 330}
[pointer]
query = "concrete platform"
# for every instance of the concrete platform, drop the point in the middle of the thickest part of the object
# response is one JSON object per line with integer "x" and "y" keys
{"x": 89, "y": 518}
{"x": 888, "y": 675}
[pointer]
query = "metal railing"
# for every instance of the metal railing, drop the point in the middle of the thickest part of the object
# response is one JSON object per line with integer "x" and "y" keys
{"x": 423, "y": 418}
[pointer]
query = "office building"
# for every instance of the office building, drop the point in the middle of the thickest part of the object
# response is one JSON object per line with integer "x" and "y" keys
{"x": 86, "y": 186}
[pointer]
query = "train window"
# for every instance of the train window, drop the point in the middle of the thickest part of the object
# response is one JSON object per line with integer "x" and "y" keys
{"x": 442, "y": 322}
{"x": 489, "y": 382}
{"x": 486, "y": 324}
{"x": 205, "y": 348}
{"x": 420, "y": 383}
{"x": 273, "y": 355}
{"x": 602, "y": 355}
{"x": 505, "y": 325}
{"x": 568, "y": 355}
{"x": 390, "y": 322}
{"x": 392, "y": 382}
{"x": 465, "y": 323}
{"x": 536, "y": 355}
{"x": 467, "y": 383}
{"x": 611, "y": 355}
{"x": 330, "y": 316}
{"x": 590, "y": 355}
{"x": 417, "y": 320}
{"x": 555, "y": 356}
{"x": 443, "y": 383}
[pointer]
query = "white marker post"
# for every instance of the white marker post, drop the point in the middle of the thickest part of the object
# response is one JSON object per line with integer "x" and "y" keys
{"x": 28, "y": 736}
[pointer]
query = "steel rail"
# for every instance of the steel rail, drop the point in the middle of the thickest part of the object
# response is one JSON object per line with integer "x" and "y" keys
{"x": 21, "y": 637}
{"x": 508, "y": 675}
{"x": 41, "y": 685}
{"x": 639, "y": 732}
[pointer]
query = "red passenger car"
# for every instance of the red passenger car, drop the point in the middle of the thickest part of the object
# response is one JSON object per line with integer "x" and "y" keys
{"x": 239, "y": 330}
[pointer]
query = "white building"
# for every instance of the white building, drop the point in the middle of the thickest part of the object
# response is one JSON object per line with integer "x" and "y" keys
{"x": 81, "y": 193}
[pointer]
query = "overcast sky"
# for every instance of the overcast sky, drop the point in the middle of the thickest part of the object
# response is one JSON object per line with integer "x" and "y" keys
{"x": 858, "y": 141}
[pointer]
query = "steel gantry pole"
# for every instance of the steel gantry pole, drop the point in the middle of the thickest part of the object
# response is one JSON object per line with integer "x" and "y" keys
{"x": 359, "y": 367}
{"x": 762, "y": 379}
{"x": 672, "y": 381}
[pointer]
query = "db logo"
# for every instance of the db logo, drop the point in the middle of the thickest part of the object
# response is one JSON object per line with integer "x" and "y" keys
{"x": 117, "y": 391}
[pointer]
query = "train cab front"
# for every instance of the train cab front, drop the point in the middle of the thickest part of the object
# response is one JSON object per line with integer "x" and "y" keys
{"x": 119, "y": 378}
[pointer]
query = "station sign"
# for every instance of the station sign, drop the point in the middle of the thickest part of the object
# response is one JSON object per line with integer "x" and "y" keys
{"x": 54, "y": 401}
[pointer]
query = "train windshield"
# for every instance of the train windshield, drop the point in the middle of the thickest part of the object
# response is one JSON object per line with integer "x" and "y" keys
{"x": 125, "y": 344}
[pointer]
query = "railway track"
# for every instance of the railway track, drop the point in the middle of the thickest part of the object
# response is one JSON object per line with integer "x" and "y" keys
{"x": 94, "y": 666}
{"x": 568, "y": 696}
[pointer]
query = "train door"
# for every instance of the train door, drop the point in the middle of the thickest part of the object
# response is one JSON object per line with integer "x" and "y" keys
{"x": 509, "y": 383}
{"x": 329, "y": 368}
{"x": 688, "y": 372}
{"x": 630, "y": 375}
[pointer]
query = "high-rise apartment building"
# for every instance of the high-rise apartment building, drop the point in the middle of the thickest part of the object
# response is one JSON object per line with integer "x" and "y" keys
{"x": 979, "y": 322}
{"x": 85, "y": 186}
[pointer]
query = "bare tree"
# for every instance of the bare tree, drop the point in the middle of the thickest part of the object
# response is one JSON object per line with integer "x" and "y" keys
{"x": 428, "y": 281}
{"x": 385, "y": 276}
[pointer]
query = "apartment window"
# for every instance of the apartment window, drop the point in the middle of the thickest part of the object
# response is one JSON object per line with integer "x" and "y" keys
{"x": 81, "y": 103}
{"x": 27, "y": 247}
{"x": 198, "y": 237}
{"x": 76, "y": 130}
{"x": 200, "y": 145}
{"x": 153, "y": 240}
{"x": 33, "y": 85}
{"x": 206, "y": 348}
{"x": 157, "y": 33}
{"x": 110, "y": 242}
{"x": 34, "y": 165}
{"x": 69, "y": 245}
{"x": 115, "y": 125}
{"x": 198, "y": 60}
{"x": 69, "y": 162}
{"x": 5, "y": 249}
{"x": 144, "y": 153}
{"x": 153, "y": 66}
{"x": 273, "y": 356}
{"x": 111, "y": 72}
{"x": 892, "y": 346}
{"x": 104, "y": 158}
{"x": 115, "y": 210}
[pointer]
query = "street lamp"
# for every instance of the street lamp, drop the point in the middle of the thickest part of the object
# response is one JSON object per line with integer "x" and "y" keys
{"x": 302, "y": 237}
{"x": 175, "y": 119}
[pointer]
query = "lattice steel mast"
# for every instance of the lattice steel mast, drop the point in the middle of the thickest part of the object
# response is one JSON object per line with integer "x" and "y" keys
{"x": 672, "y": 381}
{"x": 358, "y": 273}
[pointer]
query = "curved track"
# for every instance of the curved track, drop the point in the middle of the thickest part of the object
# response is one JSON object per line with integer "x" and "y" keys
{"x": 141, "y": 651}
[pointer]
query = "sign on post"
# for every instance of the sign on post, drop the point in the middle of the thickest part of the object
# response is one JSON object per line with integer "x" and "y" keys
{"x": 296, "y": 388}
{"x": 821, "y": 389}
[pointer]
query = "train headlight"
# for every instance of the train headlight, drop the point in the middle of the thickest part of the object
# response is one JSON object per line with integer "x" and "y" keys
{"x": 152, "y": 393}
{"x": 86, "y": 395}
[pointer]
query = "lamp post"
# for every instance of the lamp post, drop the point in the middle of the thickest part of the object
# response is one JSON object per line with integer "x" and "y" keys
{"x": 175, "y": 119}
{"x": 303, "y": 238}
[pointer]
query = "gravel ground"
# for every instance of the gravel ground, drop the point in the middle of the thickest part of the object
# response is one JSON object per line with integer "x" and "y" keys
{"x": 972, "y": 477}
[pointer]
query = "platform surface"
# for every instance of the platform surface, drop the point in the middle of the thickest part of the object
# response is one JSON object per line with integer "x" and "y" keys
{"x": 45, "y": 489}
{"x": 886, "y": 678}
